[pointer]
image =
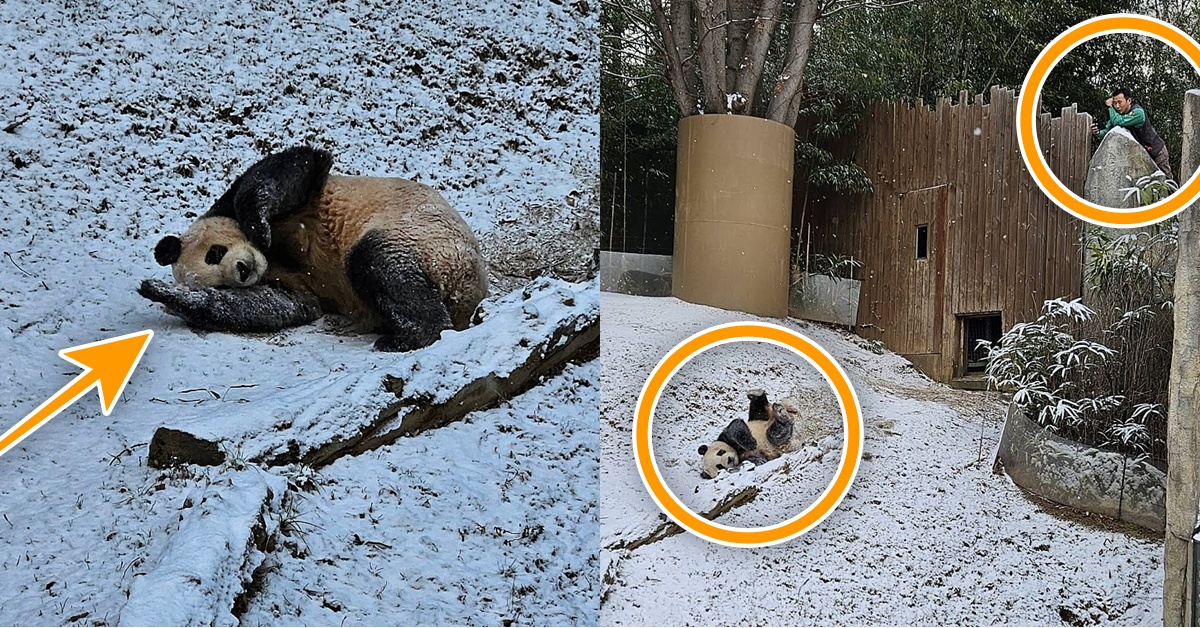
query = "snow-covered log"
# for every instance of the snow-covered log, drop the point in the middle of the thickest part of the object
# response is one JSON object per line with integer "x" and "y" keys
{"x": 526, "y": 336}
{"x": 728, "y": 502}
{"x": 222, "y": 537}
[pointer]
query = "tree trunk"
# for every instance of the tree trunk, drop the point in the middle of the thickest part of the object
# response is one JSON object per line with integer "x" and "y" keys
{"x": 710, "y": 22}
{"x": 559, "y": 323}
{"x": 741, "y": 17}
{"x": 758, "y": 43}
{"x": 682, "y": 25}
{"x": 1183, "y": 476}
{"x": 736, "y": 499}
{"x": 231, "y": 525}
{"x": 677, "y": 39}
{"x": 785, "y": 102}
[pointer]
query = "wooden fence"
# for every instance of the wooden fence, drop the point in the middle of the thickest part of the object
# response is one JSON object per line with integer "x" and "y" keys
{"x": 995, "y": 244}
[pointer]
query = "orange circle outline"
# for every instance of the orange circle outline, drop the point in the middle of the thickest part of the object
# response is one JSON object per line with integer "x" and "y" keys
{"x": 1031, "y": 149}
{"x": 643, "y": 449}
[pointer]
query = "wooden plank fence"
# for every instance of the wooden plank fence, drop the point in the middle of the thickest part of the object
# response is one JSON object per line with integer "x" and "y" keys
{"x": 996, "y": 243}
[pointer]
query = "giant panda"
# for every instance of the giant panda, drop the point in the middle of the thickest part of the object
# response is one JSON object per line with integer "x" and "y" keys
{"x": 766, "y": 436}
{"x": 288, "y": 242}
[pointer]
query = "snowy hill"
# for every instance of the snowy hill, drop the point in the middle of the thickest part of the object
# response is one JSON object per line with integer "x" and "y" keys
{"x": 928, "y": 535}
{"x": 124, "y": 121}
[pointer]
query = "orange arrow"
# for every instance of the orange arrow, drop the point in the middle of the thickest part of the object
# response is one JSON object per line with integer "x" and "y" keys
{"x": 107, "y": 364}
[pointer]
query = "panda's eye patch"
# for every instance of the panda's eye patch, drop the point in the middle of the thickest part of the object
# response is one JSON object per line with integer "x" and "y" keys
{"x": 721, "y": 453}
{"x": 215, "y": 253}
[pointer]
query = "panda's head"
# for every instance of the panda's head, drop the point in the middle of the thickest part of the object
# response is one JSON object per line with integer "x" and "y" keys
{"x": 213, "y": 252}
{"x": 717, "y": 457}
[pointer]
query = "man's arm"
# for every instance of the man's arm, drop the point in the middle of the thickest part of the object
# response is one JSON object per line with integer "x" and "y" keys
{"x": 1134, "y": 119}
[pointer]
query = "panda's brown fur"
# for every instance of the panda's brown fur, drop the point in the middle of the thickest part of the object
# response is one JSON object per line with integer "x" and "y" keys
{"x": 310, "y": 247}
{"x": 758, "y": 429}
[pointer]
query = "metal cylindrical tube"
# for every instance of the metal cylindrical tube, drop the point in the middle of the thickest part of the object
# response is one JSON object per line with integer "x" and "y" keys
{"x": 733, "y": 213}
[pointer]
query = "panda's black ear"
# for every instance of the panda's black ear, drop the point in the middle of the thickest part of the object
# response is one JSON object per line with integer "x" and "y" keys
{"x": 167, "y": 251}
{"x": 705, "y": 475}
{"x": 703, "y": 448}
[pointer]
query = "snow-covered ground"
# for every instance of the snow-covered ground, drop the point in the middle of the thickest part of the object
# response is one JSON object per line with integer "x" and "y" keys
{"x": 927, "y": 535}
{"x": 121, "y": 123}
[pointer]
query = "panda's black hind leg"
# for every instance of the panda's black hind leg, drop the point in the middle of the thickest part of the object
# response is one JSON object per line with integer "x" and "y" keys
{"x": 389, "y": 280}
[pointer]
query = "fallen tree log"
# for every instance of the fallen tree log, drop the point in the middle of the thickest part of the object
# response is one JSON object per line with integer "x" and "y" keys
{"x": 670, "y": 528}
{"x": 728, "y": 492}
{"x": 413, "y": 414}
{"x": 211, "y": 557}
{"x": 531, "y": 334}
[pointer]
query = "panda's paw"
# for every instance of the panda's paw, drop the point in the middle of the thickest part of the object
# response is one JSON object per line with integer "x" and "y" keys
{"x": 156, "y": 290}
{"x": 177, "y": 298}
{"x": 258, "y": 230}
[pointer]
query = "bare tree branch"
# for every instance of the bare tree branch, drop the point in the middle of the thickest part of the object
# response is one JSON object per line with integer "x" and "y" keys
{"x": 638, "y": 17}
{"x": 837, "y": 6}
{"x": 643, "y": 59}
{"x": 675, "y": 75}
{"x": 640, "y": 31}
{"x": 632, "y": 78}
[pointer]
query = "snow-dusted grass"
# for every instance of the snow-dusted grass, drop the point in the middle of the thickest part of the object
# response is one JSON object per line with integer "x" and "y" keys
{"x": 402, "y": 534}
{"x": 127, "y": 120}
{"x": 927, "y": 535}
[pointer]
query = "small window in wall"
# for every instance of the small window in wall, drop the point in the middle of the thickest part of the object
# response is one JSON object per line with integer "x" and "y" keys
{"x": 976, "y": 328}
{"x": 922, "y": 241}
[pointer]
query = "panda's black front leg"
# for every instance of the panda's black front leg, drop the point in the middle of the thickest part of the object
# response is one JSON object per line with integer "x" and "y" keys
{"x": 263, "y": 307}
{"x": 387, "y": 278}
{"x": 279, "y": 184}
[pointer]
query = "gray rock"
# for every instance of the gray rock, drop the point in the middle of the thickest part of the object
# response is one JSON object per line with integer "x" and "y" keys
{"x": 1118, "y": 162}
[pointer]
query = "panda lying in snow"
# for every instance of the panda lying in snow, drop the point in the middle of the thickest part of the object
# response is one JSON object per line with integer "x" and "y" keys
{"x": 766, "y": 436}
{"x": 288, "y": 242}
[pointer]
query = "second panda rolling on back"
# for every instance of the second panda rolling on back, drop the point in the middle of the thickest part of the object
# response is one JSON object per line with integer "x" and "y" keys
{"x": 766, "y": 436}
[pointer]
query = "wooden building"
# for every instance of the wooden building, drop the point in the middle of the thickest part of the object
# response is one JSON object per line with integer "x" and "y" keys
{"x": 957, "y": 242}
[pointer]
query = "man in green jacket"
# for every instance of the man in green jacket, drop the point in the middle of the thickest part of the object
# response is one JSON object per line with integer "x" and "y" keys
{"x": 1122, "y": 112}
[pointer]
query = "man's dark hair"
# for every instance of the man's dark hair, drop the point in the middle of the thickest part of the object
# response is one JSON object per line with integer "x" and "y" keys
{"x": 1124, "y": 92}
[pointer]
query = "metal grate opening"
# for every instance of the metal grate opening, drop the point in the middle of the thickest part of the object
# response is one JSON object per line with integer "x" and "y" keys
{"x": 976, "y": 328}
